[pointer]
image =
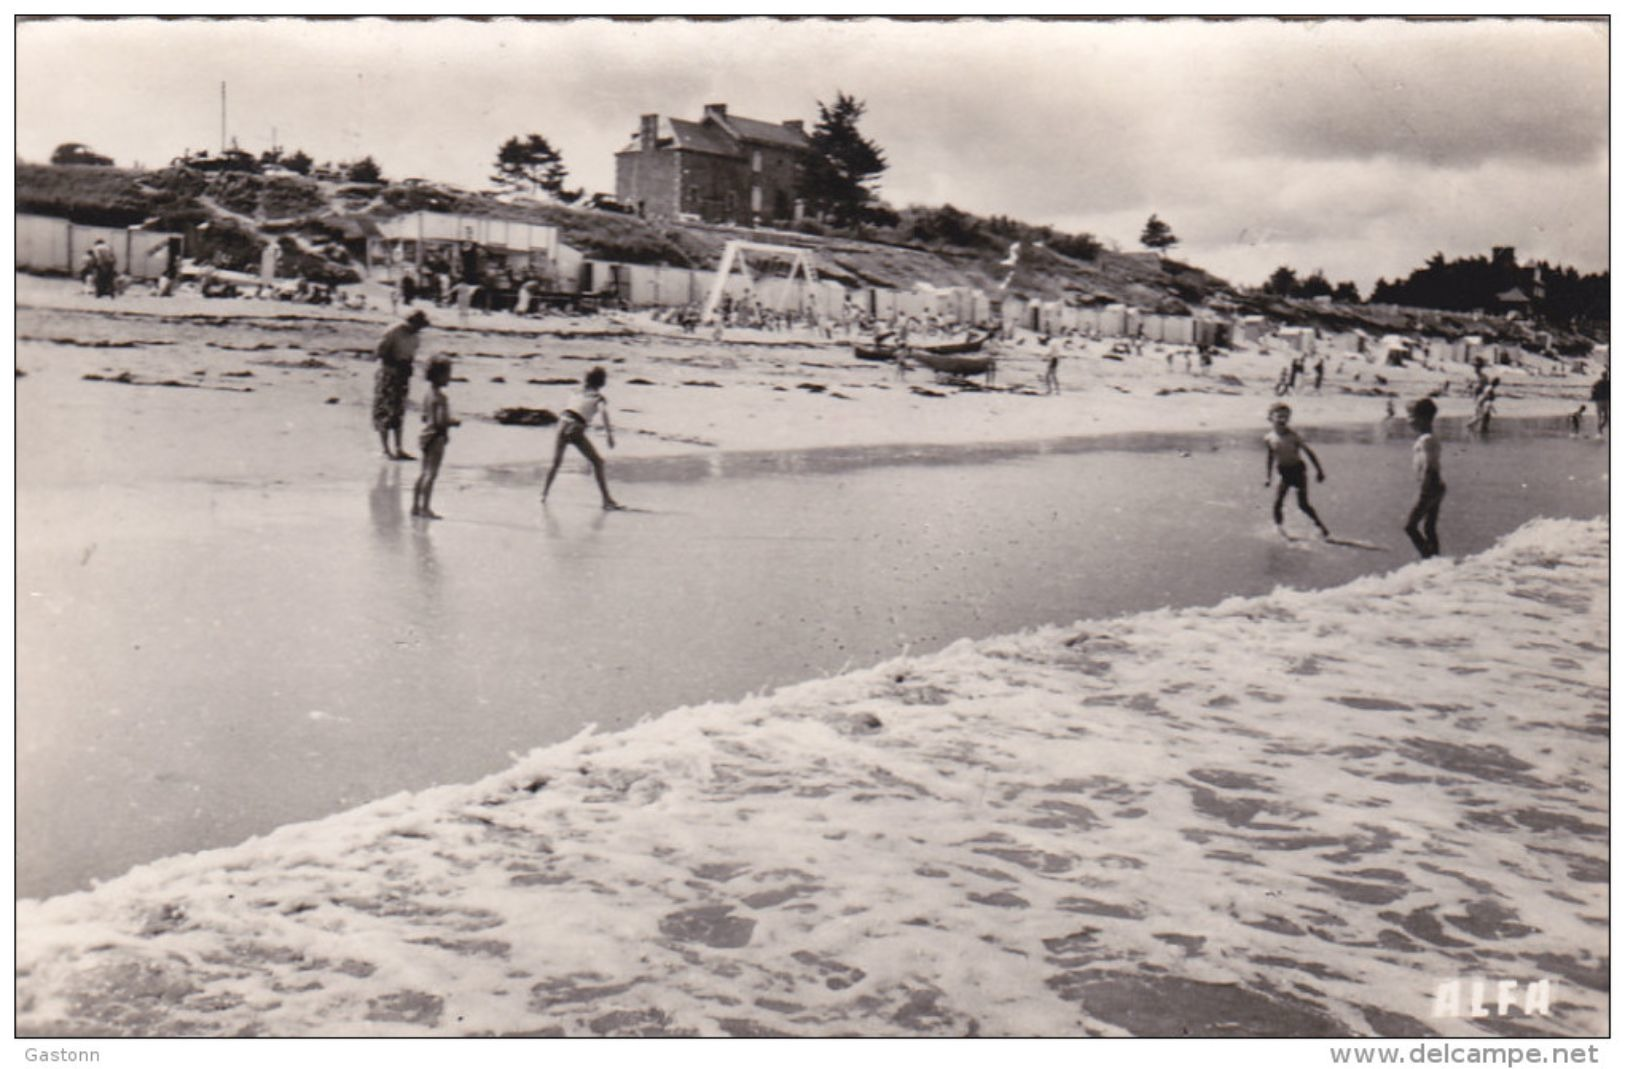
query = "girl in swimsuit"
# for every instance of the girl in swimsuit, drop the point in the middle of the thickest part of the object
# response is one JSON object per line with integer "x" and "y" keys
{"x": 437, "y": 425}
{"x": 578, "y": 416}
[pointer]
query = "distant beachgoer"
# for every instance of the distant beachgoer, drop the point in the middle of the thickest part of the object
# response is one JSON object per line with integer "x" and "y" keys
{"x": 170, "y": 250}
{"x": 395, "y": 354}
{"x": 573, "y": 427}
{"x": 1599, "y": 397}
{"x": 270, "y": 256}
{"x": 1484, "y": 409}
{"x": 1320, "y": 372}
{"x": 105, "y": 268}
{"x": 437, "y": 424}
{"x": 1575, "y": 419}
{"x": 1284, "y": 452}
{"x": 1052, "y": 365}
{"x": 1422, "y": 526}
{"x": 87, "y": 271}
{"x": 409, "y": 287}
{"x": 465, "y": 299}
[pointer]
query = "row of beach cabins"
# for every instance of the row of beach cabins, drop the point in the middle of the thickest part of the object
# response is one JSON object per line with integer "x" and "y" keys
{"x": 388, "y": 248}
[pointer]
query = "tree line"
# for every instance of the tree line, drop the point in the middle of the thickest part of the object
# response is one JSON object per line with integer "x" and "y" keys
{"x": 1555, "y": 294}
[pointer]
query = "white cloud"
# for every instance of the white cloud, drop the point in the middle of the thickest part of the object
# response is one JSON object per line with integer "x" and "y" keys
{"x": 1343, "y": 144}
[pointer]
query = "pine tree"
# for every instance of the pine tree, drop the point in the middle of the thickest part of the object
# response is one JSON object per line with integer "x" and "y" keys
{"x": 1283, "y": 282}
{"x": 365, "y": 169}
{"x": 837, "y": 181}
{"x": 1158, "y": 236}
{"x": 530, "y": 162}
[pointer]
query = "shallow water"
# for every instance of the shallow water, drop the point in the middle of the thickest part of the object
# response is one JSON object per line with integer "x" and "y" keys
{"x": 204, "y": 668}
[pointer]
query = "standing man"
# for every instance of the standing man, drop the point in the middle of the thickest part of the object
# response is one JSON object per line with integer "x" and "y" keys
{"x": 472, "y": 276}
{"x": 105, "y": 267}
{"x": 170, "y": 250}
{"x": 396, "y": 353}
{"x": 1599, "y": 397}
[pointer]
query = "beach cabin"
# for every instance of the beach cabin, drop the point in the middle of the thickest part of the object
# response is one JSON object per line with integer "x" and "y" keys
{"x": 1394, "y": 350}
{"x": 1345, "y": 343}
{"x": 1297, "y": 339}
{"x": 505, "y": 246}
{"x": 1251, "y": 330}
{"x": 1472, "y": 348}
{"x": 1178, "y": 330}
{"x": 48, "y": 244}
{"x": 1211, "y": 332}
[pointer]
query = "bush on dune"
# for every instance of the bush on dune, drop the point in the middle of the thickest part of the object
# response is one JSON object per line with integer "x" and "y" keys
{"x": 282, "y": 198}
{"x": 92, "y": 196}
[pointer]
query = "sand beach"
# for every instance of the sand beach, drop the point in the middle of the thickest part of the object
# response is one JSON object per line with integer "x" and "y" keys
{"x": 1303, "y": 813}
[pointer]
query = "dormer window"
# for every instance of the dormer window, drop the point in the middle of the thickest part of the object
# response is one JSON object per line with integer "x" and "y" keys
{"x": 756, "y": 160}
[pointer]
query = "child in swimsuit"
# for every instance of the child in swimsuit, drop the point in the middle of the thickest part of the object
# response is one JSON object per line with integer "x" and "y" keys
{"x": 578, "y": 416}
{"x": 1284, "y": 452}
{"x": 1422, "y": 526}
{"x": 437, "y": 425}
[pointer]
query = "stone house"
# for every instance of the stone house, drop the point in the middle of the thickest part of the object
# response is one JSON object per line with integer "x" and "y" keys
{"x": 723, "y": 169}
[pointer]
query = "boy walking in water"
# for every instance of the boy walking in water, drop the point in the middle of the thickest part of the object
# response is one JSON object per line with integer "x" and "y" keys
{"x": 437, "y": 425}
{"x": 1284, "y": 452}
{"x": 573, "y": 431}
{"x": 1423, "y": 523}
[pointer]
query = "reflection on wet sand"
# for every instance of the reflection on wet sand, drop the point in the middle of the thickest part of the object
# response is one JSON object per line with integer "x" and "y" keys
{"x": 384, "y": 505}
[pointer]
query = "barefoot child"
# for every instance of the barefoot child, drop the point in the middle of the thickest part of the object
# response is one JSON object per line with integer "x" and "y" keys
{"x": 573, "y": 431}
{"x": 1423, "y": 523}
{"x": 1284, "y": 451}
{"x": 437, "y": 424}
{"x": 1052, "y": 365}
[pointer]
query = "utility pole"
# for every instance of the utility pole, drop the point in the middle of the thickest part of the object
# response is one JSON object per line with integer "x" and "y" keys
{"x": 222, "y": 118}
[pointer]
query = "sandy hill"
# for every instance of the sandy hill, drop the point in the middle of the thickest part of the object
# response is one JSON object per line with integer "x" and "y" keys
{"x": 942, "y": 247}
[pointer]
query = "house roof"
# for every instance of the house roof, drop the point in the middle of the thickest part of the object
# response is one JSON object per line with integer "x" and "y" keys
{"x": 768, "y": 132}
{"x": 720, "y": 137}
{"x": 702, "y": 137}
{"x": 681, "y": 134}
{"x": 1513, "y": 296}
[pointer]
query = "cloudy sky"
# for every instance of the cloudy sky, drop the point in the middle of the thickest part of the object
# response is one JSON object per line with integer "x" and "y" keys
{"x": 1356, "y": 147}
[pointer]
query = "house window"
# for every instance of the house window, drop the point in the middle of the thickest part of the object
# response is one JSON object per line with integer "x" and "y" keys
{"x": 756, "y": 160}
{"x": 756, "y": 199}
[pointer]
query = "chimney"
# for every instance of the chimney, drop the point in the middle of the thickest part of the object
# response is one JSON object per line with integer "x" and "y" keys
{"x": 795, "y": 124}
{"x": 648, "y": 132}
{"x": 716, "y": 111}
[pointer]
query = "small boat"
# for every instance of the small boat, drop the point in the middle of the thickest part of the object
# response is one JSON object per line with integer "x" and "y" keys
{"x": 969, "y": 345}
{"x": 888, "y": 353}
{"x": 952, "y": 363}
